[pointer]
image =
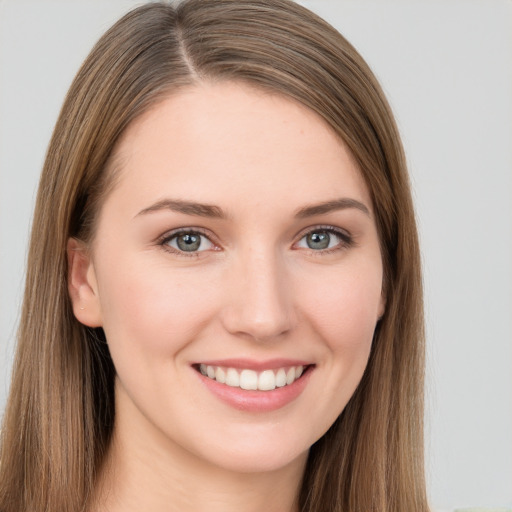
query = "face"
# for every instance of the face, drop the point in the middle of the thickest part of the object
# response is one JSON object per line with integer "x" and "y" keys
{"x": 237, "y": 274}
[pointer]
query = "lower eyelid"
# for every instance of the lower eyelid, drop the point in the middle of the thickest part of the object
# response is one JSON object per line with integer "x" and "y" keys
{"x": 345, "y": 239}
{"x": 203, "y": 238}
{"x": 164, "y": 241}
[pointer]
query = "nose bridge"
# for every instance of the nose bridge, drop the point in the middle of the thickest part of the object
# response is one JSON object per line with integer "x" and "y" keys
{"x": 260, "y": 302}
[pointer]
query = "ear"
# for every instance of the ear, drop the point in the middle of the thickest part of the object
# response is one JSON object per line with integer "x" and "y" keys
{"x": 82, "y": 285}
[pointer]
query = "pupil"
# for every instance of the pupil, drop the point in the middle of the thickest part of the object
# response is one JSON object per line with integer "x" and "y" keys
{"x": 318, "y": 240}
{"x": 189, "y": 242}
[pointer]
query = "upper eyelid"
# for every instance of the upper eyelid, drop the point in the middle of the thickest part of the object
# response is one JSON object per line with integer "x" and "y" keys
{"x": 346, "y": 240}
{"x": 321, "y": 227}
{"x": 178, "y": 231}
{"x": 214, "y": 240}
{"x": 163, "y": 242}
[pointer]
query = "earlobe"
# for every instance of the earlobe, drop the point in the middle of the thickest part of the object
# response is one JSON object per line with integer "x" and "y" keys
{"x": 82, "y": 285}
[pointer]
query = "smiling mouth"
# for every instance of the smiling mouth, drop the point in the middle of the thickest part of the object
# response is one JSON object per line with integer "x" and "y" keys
{"x": 266, "y": 380}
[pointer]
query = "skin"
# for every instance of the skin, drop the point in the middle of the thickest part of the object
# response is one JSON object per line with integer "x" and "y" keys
{"x": 257, "y": 291}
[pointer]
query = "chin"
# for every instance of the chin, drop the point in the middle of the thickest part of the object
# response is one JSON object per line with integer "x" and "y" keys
{"x": 256, "y": 449}
{"x": 260, "y": 460}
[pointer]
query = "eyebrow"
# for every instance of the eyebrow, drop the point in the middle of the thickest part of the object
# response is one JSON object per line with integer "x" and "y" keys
{"x": 331, "y": 206}
{"x": 208, "y": 210}
{"x": 186, "y": 207}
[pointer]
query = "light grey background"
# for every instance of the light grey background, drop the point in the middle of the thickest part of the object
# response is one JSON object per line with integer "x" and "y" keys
{"x": 447, "y": 69}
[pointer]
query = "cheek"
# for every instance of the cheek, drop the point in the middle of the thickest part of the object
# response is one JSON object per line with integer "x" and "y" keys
{"x": 345, "y": 309}
{"x": 342, "y": 313}
{"x": 152, "y": 309}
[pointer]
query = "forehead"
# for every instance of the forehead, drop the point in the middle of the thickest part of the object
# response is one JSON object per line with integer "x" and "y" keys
{"x": 212, "y": 140}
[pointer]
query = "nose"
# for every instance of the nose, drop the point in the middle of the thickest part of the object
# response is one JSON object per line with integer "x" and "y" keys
{"x": 259, "y": 301}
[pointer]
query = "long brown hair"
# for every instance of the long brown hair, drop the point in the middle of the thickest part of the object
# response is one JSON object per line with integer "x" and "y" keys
{"x": 60, "y": 413}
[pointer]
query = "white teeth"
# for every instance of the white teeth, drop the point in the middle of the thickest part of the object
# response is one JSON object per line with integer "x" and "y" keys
{"x": 281, "y": 377}
{"x": 249, "y": 379}
{"x": 232, "y": 378}
{"x": 220, "y": 375}
{"x": 266, "y": 380}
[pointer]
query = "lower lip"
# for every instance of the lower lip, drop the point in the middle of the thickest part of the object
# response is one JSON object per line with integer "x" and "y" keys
{"x": 257, "y": 401}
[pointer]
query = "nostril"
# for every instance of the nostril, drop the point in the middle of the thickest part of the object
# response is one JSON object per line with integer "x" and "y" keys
{"x": 259, "y": 304}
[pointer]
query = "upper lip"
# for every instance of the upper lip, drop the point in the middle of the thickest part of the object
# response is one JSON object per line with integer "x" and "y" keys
{"x": 251, "y": 364}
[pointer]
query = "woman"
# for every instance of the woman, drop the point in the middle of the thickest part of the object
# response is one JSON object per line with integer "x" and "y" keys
{"x": 223, "y": 302}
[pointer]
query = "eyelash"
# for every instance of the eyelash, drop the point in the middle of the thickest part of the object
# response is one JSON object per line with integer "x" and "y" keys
{"x": 168, "y": 237}
{"x": 346, "y": 240}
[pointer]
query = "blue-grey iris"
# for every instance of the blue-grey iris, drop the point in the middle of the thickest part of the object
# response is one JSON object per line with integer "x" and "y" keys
{"x": 188, "y": 242}
{"x": 318, "y": 240}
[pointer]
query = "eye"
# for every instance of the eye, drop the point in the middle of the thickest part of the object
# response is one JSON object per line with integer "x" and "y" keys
{"x": 322, "y": 239}
{"x": 188, "y": 241}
